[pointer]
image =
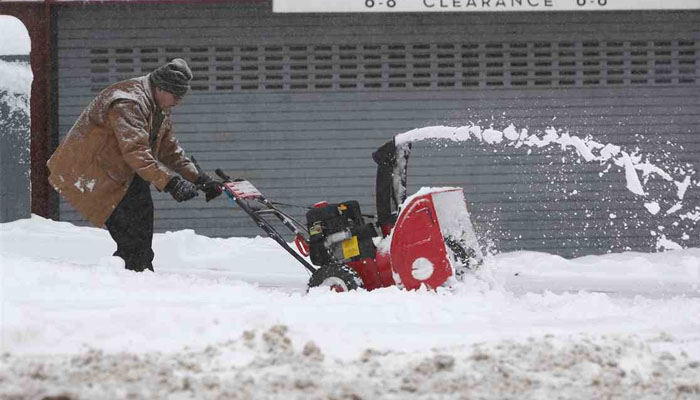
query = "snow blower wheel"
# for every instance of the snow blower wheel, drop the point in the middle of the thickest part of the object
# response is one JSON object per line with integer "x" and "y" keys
{"x": 338, "y": 278}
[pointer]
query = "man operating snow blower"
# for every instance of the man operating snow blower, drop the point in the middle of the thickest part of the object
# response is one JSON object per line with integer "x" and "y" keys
{"x": 121, "y": 143}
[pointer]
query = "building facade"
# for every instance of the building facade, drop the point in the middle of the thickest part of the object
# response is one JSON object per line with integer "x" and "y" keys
{"x": 297, "y": 102}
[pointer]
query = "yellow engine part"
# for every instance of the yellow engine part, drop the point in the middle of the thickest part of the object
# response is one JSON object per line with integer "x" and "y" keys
{"x": 351, "y": 248}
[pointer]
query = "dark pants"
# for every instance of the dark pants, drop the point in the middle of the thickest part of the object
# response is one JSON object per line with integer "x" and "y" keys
{"x": 131, "y": 226}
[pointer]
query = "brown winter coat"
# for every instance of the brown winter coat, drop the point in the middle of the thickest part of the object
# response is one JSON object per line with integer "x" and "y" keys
{"x": 108, "y": 144}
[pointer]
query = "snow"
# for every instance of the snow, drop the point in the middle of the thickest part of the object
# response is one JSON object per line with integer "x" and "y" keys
{"x": 691, "y": 215}
{"x": 83, "y": 184}
{"x": 15, "y": 77}
{"x": 653, "y": 207}
{"x": 666, "y": 244}
{"x": 587, "y": 150}
{"x": 15, "y": 85}
{"x": 675, "y": 208}
{"x": 584, "y": 147}
{"x": 230, "y": 318}
{"x": 15, "y": 37}
{"x": 633, "y": 183}
{"x": 683, "y": 187}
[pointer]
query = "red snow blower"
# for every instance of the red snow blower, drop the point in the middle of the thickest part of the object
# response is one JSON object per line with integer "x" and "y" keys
{"x": 424, "y": 240}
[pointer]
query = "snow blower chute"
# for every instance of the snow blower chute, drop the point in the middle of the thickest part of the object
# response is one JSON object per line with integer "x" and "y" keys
{"x": 419, "y": 241}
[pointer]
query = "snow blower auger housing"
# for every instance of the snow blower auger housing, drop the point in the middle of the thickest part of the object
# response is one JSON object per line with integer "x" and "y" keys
{"x": 421, "y": 241}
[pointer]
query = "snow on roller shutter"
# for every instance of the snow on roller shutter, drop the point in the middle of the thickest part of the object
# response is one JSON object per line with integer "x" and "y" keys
{"x": 297, "y": 103}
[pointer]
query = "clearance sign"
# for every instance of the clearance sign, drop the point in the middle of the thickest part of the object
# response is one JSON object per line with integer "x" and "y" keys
{"x": 312, "y": 6}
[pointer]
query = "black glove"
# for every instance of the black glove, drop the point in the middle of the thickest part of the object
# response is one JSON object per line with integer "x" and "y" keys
{"x": 210, "y": 188}
{"x": 181, "y": 190}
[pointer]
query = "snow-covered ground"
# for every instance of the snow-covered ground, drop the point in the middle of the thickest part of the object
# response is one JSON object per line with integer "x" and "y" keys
{"x": 229, "y": 318}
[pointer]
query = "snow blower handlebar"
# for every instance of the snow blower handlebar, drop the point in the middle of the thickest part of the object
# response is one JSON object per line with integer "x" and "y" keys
{"x": 243, "y": 193}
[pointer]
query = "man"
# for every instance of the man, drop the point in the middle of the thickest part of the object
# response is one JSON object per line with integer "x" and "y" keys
{"x": 120, "y": 145}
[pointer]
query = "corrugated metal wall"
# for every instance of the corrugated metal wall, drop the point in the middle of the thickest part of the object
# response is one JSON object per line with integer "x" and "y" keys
{"x": 297, "y": 103}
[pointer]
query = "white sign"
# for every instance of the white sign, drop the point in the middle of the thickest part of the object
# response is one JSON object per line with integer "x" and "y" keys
{"x": 354, "y": 6}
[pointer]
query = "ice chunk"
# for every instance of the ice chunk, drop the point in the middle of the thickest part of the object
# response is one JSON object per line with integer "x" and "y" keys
{"x": 653, "y": 207}
{"x": 675, "y": 208}
{"x": 664, "y": 243}
{"x": 511, "y": 133}
{"x": 492, "y": 136}
{"x": 633, "y": 183}
{"x": 682, "y": 187}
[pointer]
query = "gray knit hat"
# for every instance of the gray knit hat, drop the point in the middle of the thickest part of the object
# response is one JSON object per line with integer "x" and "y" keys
{"x": 173, "y": 77}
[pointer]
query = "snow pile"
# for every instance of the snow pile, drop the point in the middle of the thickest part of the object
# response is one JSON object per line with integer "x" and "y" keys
{"x": 230, "y": 317}
{"x": 15, "y": 85}
{"x": 588, "y": 150}
{"x": 267, "y": 365}
{"x": 15, "y": 37}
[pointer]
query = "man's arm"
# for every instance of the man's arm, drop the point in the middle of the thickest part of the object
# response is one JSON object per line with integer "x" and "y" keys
{"x": 173, "y": 156}
{"x": 129, "y": 125}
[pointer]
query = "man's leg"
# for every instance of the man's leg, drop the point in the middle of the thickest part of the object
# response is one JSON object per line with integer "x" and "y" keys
{"x": 131, "y": 226}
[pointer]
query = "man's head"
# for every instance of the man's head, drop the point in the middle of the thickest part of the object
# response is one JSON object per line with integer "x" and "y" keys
{"x": 172, "y": 82}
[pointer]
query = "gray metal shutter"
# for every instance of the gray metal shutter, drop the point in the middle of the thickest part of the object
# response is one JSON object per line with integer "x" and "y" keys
{"x": 297, "y": 103}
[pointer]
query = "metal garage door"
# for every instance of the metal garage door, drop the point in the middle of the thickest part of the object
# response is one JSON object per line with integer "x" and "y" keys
{"x": 297, "y": 103}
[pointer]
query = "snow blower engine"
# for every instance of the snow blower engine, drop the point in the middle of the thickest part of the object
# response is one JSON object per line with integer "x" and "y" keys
{"x": 338, "y": 232}
{"x": 424, "y": 240}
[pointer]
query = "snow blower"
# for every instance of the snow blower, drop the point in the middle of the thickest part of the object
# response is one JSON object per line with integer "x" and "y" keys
{"x": 424, "y": 240}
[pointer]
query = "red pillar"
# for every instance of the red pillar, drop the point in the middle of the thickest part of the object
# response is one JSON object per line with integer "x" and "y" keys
{"x": 36, "y": 18}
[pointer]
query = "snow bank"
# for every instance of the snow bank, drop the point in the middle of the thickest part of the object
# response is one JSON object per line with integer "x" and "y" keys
{"x": 61, "y": 291}
{"x": 232, "y": 319}
{"x": 266, "y": 364}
